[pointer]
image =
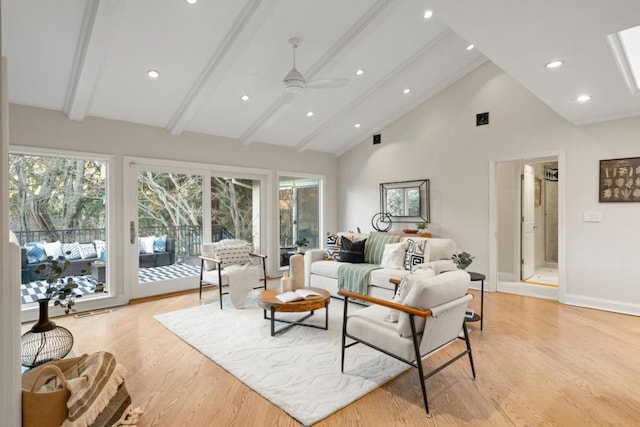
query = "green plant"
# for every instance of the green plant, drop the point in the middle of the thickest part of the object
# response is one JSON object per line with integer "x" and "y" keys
{"x": 462, "y": 260}
{"x": 61, "y": 289}
{"x": 302, "y": 243}
{"x": 421, "y": 225}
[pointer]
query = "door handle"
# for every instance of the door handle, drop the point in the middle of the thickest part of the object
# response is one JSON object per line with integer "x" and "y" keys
{"x": 132, "y": 231}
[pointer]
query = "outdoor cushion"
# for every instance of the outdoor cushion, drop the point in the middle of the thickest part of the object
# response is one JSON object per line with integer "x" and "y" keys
{"x": 71, "y": 250}
{"x": 145, "y": 244}
{"x": 35, "y": 252}
{"x": 160, "y": 244}
{"x": 54, "y": 249}
{"x": 87, "y": 250}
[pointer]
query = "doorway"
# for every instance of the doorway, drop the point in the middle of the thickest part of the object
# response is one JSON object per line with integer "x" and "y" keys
{"x": 528, "y": 229}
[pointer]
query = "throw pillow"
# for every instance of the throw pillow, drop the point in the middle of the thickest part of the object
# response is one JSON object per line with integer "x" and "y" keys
{"x": 71, "y": 250}
{"x": 430, "y": 293}
{"x": 417, "y": 252}
{"x": 374, "y": 248}
{"x": 54, "y": 250}
{"x": 100, "y": 247}
{"x": 87, "y": 250}
{"x": 160, "y": 244}
{"x": 438, "y": 266}
{"x": 352, "y": 252}
{"x": 333, "y": 246}
{"x": 35, "y": 252}
{"x": 145, "y": 244}
{"x": 393, "y": 255}
{"x": 404, "y": 287}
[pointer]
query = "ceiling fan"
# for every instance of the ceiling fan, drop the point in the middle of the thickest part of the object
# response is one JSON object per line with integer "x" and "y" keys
{"x": 296, "y": 84}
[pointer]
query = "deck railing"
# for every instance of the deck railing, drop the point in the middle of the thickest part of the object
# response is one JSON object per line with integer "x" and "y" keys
{"x": 188, "y": 237}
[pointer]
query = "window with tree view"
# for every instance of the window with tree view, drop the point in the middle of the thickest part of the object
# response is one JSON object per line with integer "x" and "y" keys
{"x": 57, "y": 208}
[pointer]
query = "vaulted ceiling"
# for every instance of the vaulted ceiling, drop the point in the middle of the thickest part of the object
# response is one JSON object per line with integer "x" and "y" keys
{"x": 91, "y": 58}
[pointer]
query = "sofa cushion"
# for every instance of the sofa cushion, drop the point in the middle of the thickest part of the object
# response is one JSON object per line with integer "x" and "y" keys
{"x": 351, "y": 251}
{"x": 71, "y": 250}
{"x": 160, "y": 244}
{"x": 417, "y": 252}
{"x": 87, "y": 250}
{"x": 381, "y": 276}
{"x": 393, "y": 255}
{"x": 439, "y": 266}
{"x": 333, "y": 246}
{"x": 430, "y": 293}
{"x": 326, "y": 268}
{"x": 376, "y": 243}
{"x": 439, "y": 248}
{"x": 54, "y": 249}
{"x": 35, "y": 252}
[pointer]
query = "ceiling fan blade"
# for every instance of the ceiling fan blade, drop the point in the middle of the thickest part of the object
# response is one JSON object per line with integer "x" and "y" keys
{"x": 327, "y": 83}
{"x": 266, "y": 79}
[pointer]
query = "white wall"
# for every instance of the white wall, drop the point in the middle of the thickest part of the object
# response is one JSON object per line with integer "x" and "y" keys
{"x": 507, "y": 178}
{"x": 439, "y": 141}
{"x": 34, "y": 127}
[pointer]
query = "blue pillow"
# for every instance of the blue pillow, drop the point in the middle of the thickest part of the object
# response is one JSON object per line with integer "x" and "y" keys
{"x": 160, "y": 244}
{"x": 35, "y": 252}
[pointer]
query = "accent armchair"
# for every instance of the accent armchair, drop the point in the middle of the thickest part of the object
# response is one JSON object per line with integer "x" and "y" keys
{"x": 218, "y": 260}
{"x": 430, "y": 317}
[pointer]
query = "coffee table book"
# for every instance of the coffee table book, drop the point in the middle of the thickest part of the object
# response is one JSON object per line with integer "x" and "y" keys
{"x": 297, "y": 295}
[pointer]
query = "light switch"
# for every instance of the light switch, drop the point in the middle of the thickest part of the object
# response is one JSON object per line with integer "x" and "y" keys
{"x": 592, "y": 216}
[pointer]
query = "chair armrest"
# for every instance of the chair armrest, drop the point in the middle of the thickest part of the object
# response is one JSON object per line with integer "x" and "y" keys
{"x": 395, "y": 281}
{"x": 385, "y": 303}
{"x": 205, "y": 258}
{"x": 263, "y": 256}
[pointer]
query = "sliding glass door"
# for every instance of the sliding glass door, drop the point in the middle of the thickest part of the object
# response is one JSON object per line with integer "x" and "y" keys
{"x": 300, "y": 213}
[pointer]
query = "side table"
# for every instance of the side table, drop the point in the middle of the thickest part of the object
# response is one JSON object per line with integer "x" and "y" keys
{"x": 479, "y": 277}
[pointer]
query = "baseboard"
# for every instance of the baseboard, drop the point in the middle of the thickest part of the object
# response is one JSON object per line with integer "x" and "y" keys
{"x": 603, "y": 304}
{"x": 506, "y": 277}
{"x": 528, "y": 290}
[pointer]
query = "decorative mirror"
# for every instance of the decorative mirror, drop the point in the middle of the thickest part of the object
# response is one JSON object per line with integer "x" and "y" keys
{"x": 405, "y": 201}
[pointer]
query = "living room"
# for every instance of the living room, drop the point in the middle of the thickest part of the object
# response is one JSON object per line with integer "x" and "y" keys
{"x": 438, "y": 140}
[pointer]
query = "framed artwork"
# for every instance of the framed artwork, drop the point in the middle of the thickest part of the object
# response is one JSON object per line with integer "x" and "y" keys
{"x": 537, "y": 192}
{"x": 620, "y": 180}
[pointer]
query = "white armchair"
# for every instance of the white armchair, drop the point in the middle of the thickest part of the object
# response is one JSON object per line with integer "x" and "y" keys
{"x": 431, "y": 317}
{"x": 217, "y": 258}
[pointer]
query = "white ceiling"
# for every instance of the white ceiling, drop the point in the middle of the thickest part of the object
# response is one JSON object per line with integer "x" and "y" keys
{"x": 90, "y": 58}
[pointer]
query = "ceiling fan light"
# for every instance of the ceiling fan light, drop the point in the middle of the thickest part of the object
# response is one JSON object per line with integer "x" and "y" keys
{"x": 294, "y": 88}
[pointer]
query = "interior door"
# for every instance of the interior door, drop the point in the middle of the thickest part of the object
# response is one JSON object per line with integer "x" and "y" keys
{"x": 527, "y": 224}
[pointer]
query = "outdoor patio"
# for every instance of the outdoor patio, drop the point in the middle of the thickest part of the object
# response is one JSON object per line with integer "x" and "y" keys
{"x": 33, "y": 291}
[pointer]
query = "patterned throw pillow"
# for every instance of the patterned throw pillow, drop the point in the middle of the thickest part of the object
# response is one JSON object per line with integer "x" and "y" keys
{"x": 233, "y": 254}
{"x": 71, "y": 250}
{"x": 417, "y": 252}
{"x": 333, "y": 246}
{"x": 54, "y": 250}
{"x": 35, "y": 252}
{"x": 100, "y": 247}
{"x": 87, "y": 250}
{"x": 160, "y": 244}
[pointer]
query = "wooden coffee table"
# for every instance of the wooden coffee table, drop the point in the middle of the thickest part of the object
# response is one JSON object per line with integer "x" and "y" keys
{"x": 268, "y": 301}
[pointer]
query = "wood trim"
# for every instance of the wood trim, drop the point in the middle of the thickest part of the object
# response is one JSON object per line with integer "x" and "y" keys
{"x": 385, "y": 303}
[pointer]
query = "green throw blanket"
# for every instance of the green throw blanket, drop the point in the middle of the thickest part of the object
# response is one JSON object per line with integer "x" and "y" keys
{"x": 355, "y": 277}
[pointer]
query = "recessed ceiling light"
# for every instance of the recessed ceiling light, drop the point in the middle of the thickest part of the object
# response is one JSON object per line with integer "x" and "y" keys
{"x": 583, "y": 98}
{"x": 245, "y": 97}
{"x": 471, "y": 46}
{"x": 192, "y": 1}
{"x": 359, "y": 72}
{"x": 554, "y": 64}
{"x": 406, "y": 91}
{"x": 153, "y": 74}
{"x": 428, "y": 14}
{"x": 310, "y": 113}
{"x": 357, "y": 125}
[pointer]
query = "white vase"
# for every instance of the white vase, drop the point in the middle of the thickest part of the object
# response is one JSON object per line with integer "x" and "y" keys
{"x": 285, "y": 283}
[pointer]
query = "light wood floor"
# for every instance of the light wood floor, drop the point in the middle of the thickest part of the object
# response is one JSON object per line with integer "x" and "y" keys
{"x": 538, "y": 363}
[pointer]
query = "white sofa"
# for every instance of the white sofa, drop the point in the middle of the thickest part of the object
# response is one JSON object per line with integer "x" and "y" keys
{"x": 321, "y": 272}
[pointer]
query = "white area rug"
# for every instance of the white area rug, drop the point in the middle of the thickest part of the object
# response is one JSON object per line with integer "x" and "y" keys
{"x": 298, "y": 370}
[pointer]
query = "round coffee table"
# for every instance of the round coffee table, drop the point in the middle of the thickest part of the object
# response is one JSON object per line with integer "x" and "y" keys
{"x": 268, "y": 301}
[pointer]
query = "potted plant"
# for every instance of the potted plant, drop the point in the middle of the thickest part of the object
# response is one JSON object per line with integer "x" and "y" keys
{"x": 422, "y": 229}
{"x": 462, "y": 260}
{"x": 302, "y": 243}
